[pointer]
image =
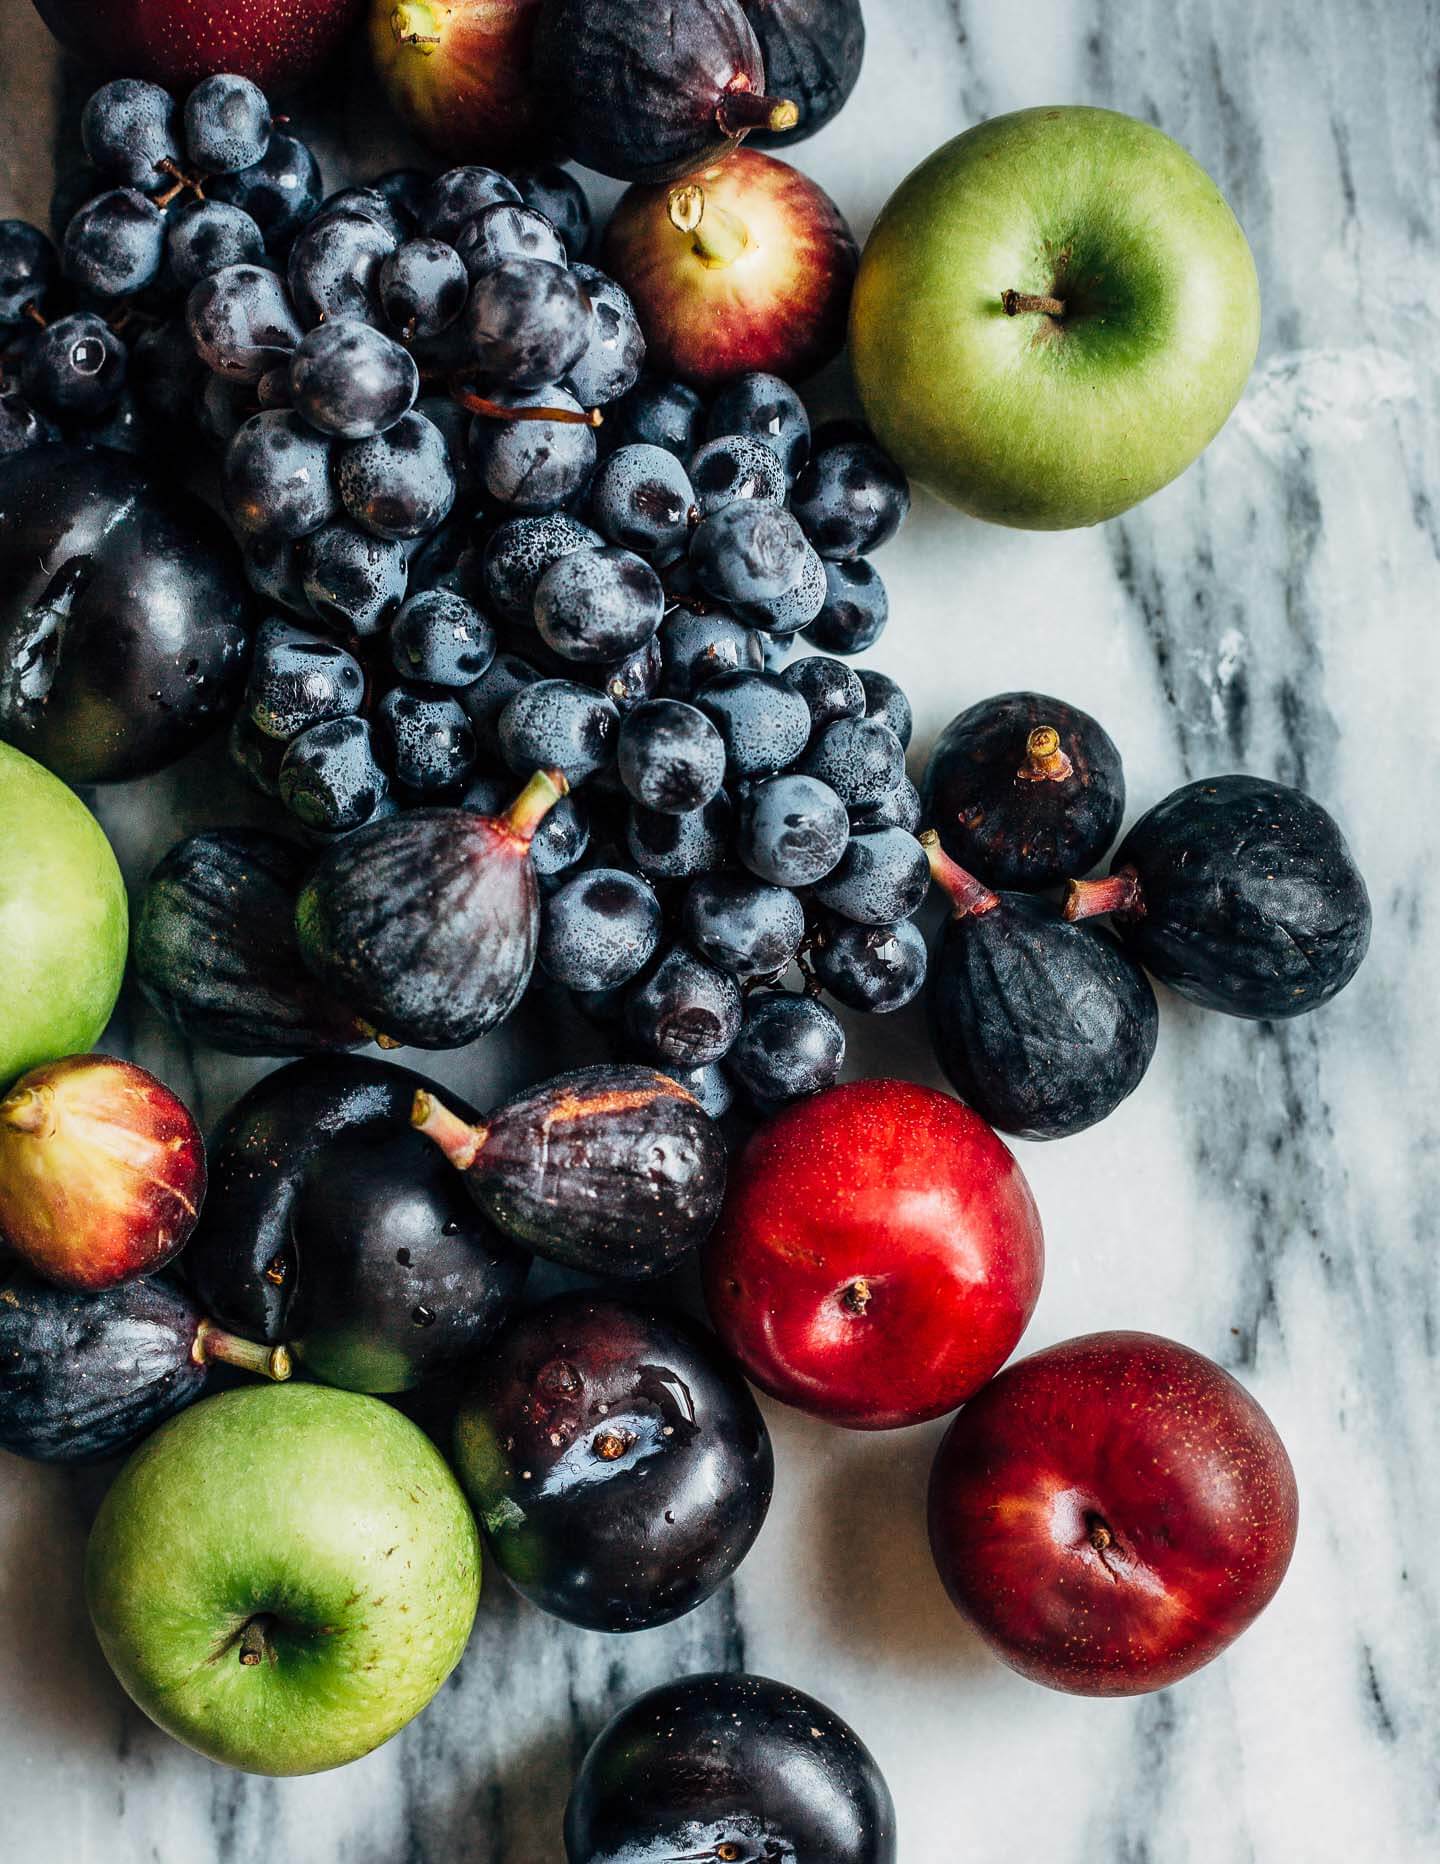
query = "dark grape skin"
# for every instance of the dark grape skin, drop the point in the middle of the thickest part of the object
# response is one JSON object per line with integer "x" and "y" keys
{"x": 793, "y": 830}
{"x": 75, "y": 366}
{"x": 899, "y": 809}
{"x": 223, "y": 407}
{"x": 458, "y": 196}
{"x": 527, "y": 322}
{"x": 275, "y": 569}
{"x": 486, "y": 699}
{"x": 784, "y": 615}
{"x": 423, "y": 286}
{"x": 280, "y": 192}
{"x": 424, "y": 739}
{"x": 130, "y": 132}
{"x": 241, "y": 322}
{"x": 860, "y": 758}
{"x": 886, "y": 700}
{"x": 616, "y": 1458}
{"x": 683, "y": 1012}
{"x": 658, "y": 413}
{"x": 506, "y": 231}
{"x": 783, "y": 1778}
{"x": 558, "y": 725}
{"x": 883, "y": 876}
{"x": 227, "y": 124}
{"x": 829, "y": 688}
{"x": 699, "y": 647}
{"x": 741, "y": 925}
{"x": 671, "y": 757}
{"x": 115, "y": 245}
{"x": 857, "y": 607}
{"x": 769, "y": 409}
{"x": 554, "y": 192}
{"x": 533, "y": 467}
{"x": 519, "y": 552}
{"x": 642, "y": 498}
{"x": 354, "y": 582}
{"x": 277, "y": 476}
{"x": 748, "y": 551}
{"x": 594, "y": 606}
{"x": 677, "y": 847}
{"x": 404, "y": 189}
{"x": 614, "y": 354}
{"x": 21, "y": 426}
{"x": 350, "y": 380}
{"x": 297, "y": 679}
{"x": 733, "y": 467}
{"x": 440, "y": 638}
{"x": 206, "y": 236}
{"x": 763, "y": 723}
{"x": 399, "y": 483}
{"x": 374, "y": 205}
{"x": 329, "y": 778}
{"x": 788, "y": 1047}
{"x": 851, "y": 497}
{"x": 334, "y": 268}
{"x": 873, "y": 968}
{"x": 599, "y": 929}
{"x": 29, "y": 271}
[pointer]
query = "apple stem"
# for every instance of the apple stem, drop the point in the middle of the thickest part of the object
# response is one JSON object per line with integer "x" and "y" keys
{"x": 1116, "y": 893}
{"x": 969, "y": 896}
{"x": 534, "y": 803}
{"x": 718, "y": 236}
{"x": 1014, "y": 302}
{"x": 255, "y": 1645}
{"x": 30, "y": 1110}
{"x": 1044, "y": 762}
{"x": 213, "y": 1344}
{"x": 457, "y": 1139}
{"x": 497, "y": 411}
{"x": 740, "y": 110}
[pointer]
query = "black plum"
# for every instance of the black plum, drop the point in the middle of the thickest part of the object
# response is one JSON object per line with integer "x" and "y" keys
{"x": 616, "y": 1460}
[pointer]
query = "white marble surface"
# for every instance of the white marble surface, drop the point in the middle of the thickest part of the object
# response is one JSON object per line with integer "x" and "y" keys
{"x": 1269, "y": 1195}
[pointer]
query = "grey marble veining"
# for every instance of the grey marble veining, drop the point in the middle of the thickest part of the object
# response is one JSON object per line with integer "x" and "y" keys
{"x": 1270, "y": 1195}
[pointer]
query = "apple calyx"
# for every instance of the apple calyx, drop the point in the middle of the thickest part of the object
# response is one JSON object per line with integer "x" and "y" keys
{"x": 497, "y": 410}
{"x": 213, "y": 1345}
{"x": 416, "y": 26}
{"x": 856, "y": 1298}
{"x": 457, "y": 1139}
{"x": 1116, "y": 893}
{"x": 1013, "y": 303}
{"x": 741, "y": 110}
{"x": 718, "y": 237}
{"x": 970, "y": 897}
{"x": 1045, "y": 762}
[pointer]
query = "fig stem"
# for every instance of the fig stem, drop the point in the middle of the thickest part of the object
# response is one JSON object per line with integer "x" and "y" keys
{"x": 741, "y": 110}
{"x": 1014, "y": 302}
{"x": 497, "y": 411}
{"x": 533, "y": 804}
{"x": 718, "y": 237}
{"x": 1116, "y": 893}
{"x": 970, "y": 897}
{"x": 29, "y": 1110}
{"x": 213, "y": 1344}
{"x": 457, "y": 1139}
{"x": 1045, "y": 762}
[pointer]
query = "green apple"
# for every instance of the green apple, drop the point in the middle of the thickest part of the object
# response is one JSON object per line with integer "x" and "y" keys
{"x": 1054, "y": 316}
{"x": 283, "y": 1576}
{"x": 63, "y": 919}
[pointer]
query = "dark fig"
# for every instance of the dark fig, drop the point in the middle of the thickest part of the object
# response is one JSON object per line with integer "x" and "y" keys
{"x": 1024, "y": 791}
{"x": 83, "y": 1376}
{"x": 813, "y": 50}
{"x": 729, "y": 1769}
{"x": 214, "y": 948}
{"x": 335, "y": 1227}
{"x": 1041, "y": 1029}
{"x": 123, "y": 629}
{"x": 426, "y": 923}
{"x": 1238, "y": 893}
{"x": 616, "y": 1460}
{"x": 614, "y": 1170}
{"x": 647, "y": 93}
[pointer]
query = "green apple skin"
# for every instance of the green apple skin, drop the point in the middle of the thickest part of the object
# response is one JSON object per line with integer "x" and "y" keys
{"x": 317, "y": 1532}
{"x": 1030, "y": 420}
{"x": 63, "y": 919}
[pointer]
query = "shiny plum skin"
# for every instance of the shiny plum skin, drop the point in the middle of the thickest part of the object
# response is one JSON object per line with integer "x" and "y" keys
{"x": 878, "y": 1256}
{"x": 1110, "y": 1513}
{"x": 616, "y": 1460}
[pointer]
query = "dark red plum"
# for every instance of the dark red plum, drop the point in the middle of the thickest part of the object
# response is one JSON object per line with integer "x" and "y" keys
{"x": 335, "y": 1227}
{"x": 735, "y": 1769}
{"x": 1240, "y": 894}
{"x": 613, "y": 1170}
{"x": 616, "y": 1460}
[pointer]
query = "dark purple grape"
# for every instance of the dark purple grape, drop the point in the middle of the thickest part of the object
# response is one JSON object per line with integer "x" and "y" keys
{"x": 280, "y": 192}
{"x": 746, "y": 927}
{"x": 459, "y": 195}
{"x": 277, "y": 475}
{"x": 677, "y": 847}
{"x": 630, "y": 682}
{"x": 130, "y": 133}
{"x": 748, "y": 552}
{"x": 829, "y": 688}
{"x": 373, "y": 205}
{"x": 533, "y": 466}
{"x": 424, "y": 739}
{"x": 557, "y": 725}
{"x": 642, "y": 498}
{"x": 698, "y": 648}
{"x": 527, "y": 323}
{"x": 593, "y": 606}
{"x": 710, "y": 1085}
{"x": 769, "y": 409}
{"x": 860, "y": 758}
{"x": 485, "y": 701}
{"x": 788, "y": 1047}
{"x": 851, "y": 497}
{"x": 206, "y": 236}
{"x": 518, "y": 554}
{"x": 399, "y": 483}
{"x": 115, "y": 244}
{"x": 856, "y": 608}
{"x": 554, "y": 192}
{"x": 74, "y": 366}
{"x": 404, "y": 189}
{"x": 29, "y": 271}
{"x": 874, "y": 968}
{"x": 763, "y": 723}
{"x": 658, "y": 413}
{"x": 227, "y": 124}
{"x": 671, "y": 757}
{"x": 298, "y": 679}
{"x": 785, "y": 615}
{"x": 423, "y": 287}
{"x": 899, "y": 809}
{"x": 600, "y": 929}
{"x": 122, "y": 428}
{"x": 354, "y": 581}
{"x": 733, "y": 467}
{"x": 22, "y": 426}
{"x": 275, "y": 569}
{"x": 223, "y": 407}
{"x": 441, "y": 639}
{"x": 506, "y": 231}
{"x": 615, "y": 352}
{"x": 334, "y": 269}
{"x": 683, "y": 1012}
{"x": 885, "y": 700}
{"x": 351, "y": 380}
{"x": 240, "y": 322}
{"x": 793, "y": 830}
{"x": 329, "y": 778}
{"x": 883, "y": 876}
{"x": 166, "y": 375}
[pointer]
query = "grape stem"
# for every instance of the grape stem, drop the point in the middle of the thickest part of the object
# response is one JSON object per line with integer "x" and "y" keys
{"x": 497, "y": 411}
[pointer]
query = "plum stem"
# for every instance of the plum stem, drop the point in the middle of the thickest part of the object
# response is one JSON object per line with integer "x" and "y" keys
{"x": 1116, "y": 893}
{"x": 533, "y": 804}
{"x": 497, "y": 411}
{"x": 740, "y": 110}
{"x": 457, "y": 1139}
{"x": 718, "y": 237}
{"x": 30, "y": 1110}
{"x": 1014, "y": 302}
{"x": 1045, "y": 762}
{"x": 213, "y": 1344}
{"x": 970, "y": 897}
{"x": 255, "y": 1645}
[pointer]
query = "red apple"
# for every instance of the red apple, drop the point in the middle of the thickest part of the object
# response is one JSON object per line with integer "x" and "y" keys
{"x": 877, "y": 1257}
{"x": 1111, "y": 1513}
{"x": 458, "y": 72}
{"x": 275, "y": 42}
{"x": 745, "y": 265}
{"x": 102, "y": 1172}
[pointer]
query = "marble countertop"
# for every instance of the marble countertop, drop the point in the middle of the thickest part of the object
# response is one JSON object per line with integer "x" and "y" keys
{"x": 1268, "y": 1196}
